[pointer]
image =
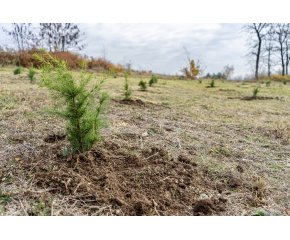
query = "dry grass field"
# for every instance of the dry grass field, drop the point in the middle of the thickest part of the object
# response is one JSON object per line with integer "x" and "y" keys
{"x": 179, "y": 148}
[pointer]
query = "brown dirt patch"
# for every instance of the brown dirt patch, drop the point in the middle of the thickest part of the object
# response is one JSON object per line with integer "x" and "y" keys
{"x": 137, "y": 102}
{"x": 255, "y": 98}
{"x": 235, "y": 182}
{"x": 185, "y": 159}
{"x": 138, "y": 184}
{"x": 204, "y": 206}
{"x": 227, "y": 90}
{"x": 53, "y": 138}
{"x": 240, "y": 168}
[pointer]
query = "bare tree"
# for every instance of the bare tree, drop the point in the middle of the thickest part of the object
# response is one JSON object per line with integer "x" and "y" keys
{"x": 259, "y": 30}
{"x": 228, "y": 71}
{"x": 187, "y": 57}
{"x": 287, "y": 43}
{"x": 269, "y": 47}
{"x": 281, "y": 35}
{"x": 200, "y": 65}
{"x": 63, "y": 36}
{"x": 21, "y": 34}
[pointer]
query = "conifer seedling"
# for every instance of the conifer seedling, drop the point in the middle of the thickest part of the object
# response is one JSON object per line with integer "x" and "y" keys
{"x": 127, "y": 90}
{"x": 143, "y": 85}
{"x": 74, "y": 101}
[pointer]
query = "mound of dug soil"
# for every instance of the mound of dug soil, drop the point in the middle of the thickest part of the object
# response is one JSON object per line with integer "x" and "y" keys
{"x": 146, "y": 184}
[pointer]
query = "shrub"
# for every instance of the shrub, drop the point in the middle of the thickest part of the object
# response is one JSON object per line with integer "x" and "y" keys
{"x": 127, "y": 89}
{"x": 263, "y": 77}
{"x": 284, "y": 81}
{"x": 17, "y": 70}
{"x": 31, "y": 74}
{"x": 212, "y": 84}
{"x": 74, "y": 102}
{"x": 26, "y": 59}
{"x": 103, "y": 64}
{"x": 255, "y": 92}
{"x": 268, "y": 83}
{"x": 7, "y": 56}
{"x": 200, "y": 81}
{"x": 143, "y": 85}
{"x": 280, "y": 78}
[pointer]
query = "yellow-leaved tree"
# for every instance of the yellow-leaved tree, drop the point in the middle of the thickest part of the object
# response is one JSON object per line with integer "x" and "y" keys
{"x": 193, "y": 70}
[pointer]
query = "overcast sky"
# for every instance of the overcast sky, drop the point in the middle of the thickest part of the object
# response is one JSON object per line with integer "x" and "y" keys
{"x": 159, "y": 47}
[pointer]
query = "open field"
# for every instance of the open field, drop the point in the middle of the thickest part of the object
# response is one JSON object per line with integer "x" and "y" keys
{"x": 182, "y": 148}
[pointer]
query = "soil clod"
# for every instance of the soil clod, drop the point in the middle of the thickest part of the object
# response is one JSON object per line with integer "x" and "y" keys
{"x": 53, "y": 138}
{"x": 204, "y": 206}
{"x": 235, "y": 182}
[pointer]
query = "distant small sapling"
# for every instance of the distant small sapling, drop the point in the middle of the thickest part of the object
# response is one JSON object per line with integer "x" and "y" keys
{"x": 255, "y": 92}
{"x": 142, "y": 84}
{"x": 113, "y": 73}
{"x": 31, "y": 74}
{"x": 17, "y": 70}
{"x": 153, "y": 80}
{"x": 212, "y": 84}
{"x": 127, "y": 90}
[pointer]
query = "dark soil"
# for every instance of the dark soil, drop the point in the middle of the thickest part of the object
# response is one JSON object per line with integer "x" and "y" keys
{"x": 227, "y": 90}
{"x": 53, "y": 138}
{"x": 149, "y": 183}
{"x": 235, "y": 182}
{"x": 240, "y": 168}
{"x": 139, "y": 103}
{"x": 255, "y": 98}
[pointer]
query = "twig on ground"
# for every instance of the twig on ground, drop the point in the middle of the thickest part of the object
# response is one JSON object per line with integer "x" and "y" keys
{"x": 179, "y": 146}
{"x": 155, "y": 205}
{"x": 151, "y": 156}
{"x": 22, "y": 207}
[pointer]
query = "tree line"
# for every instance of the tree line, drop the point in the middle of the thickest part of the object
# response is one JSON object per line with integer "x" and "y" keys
{"x": 268, "y": 43}
{"x": 53, "y": 36}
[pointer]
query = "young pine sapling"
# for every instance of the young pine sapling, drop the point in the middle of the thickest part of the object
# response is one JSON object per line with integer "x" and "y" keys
{"x": 17, "y": 70}
{"x": 74, "y": 102}
{"x": 142, "y": 84}
{"x": 127, "y": 90}
{"x": 153, "y": 80}
{"x": 31, "y": 74}
{"x": 255, "y": 92}
{"x": 212, "y": 84}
